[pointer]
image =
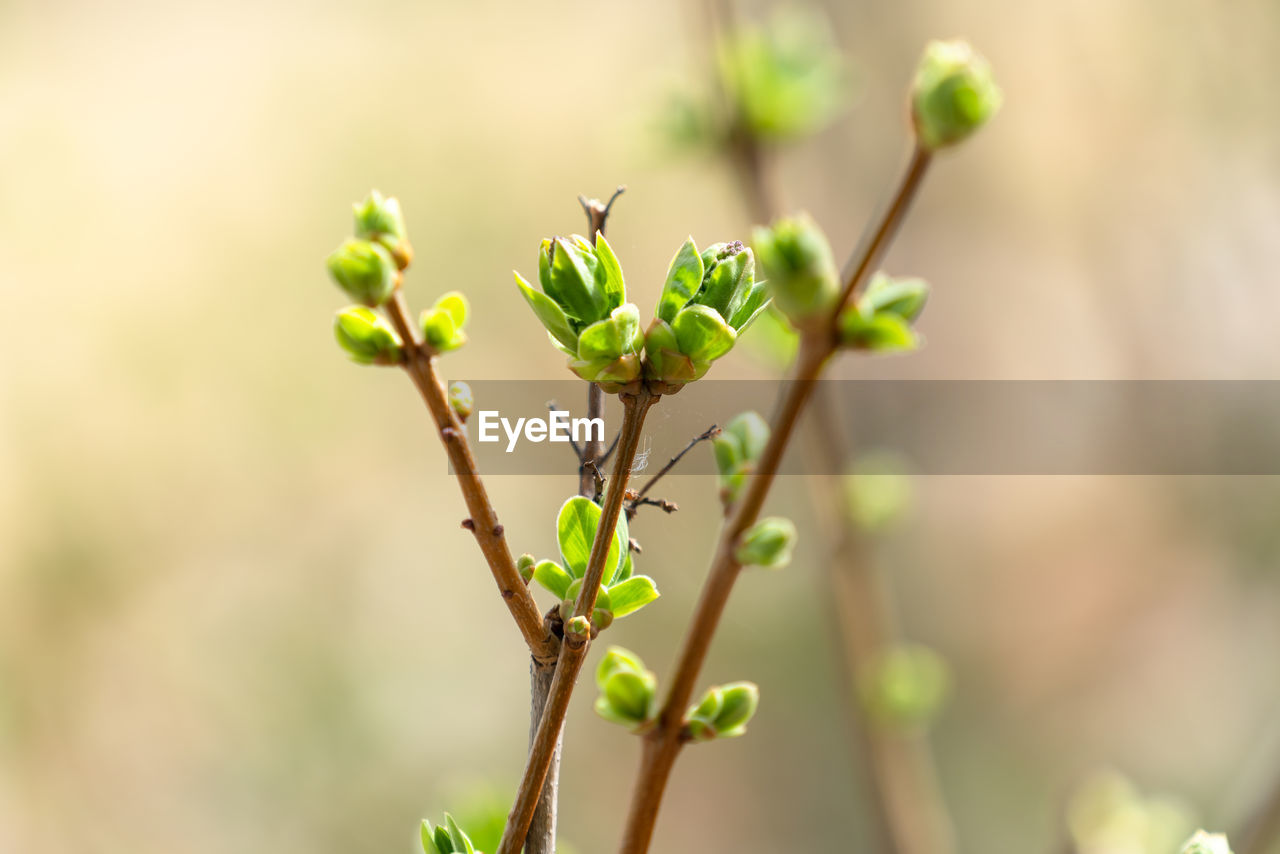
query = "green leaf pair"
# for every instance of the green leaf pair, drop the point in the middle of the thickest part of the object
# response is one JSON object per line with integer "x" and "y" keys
{"x": 367, "y": 338}
{"x": 881, "y": 320}
{"x": 442, "y": 323}
{"x": 737, "y": 449}
{"x": 906, "y": 686}
{"x": 628, "y": 691}
{"x": 445, "y": 838}
{"x": 954, "y": 94}
{"x": 380, "y": 220}
{"x": 621, "y": 592}
{"x": 797, "y": 261}
{"x": 767, "y": 543}
{"x": 709, "y": 298}
{"x": 723, "y": 712}
{"x": 583, "y": 307}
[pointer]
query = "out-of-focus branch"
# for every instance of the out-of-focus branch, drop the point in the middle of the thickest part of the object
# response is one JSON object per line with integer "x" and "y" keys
{"x": 663, "y": 742}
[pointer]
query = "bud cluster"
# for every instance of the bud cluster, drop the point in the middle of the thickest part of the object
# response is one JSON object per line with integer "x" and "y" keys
{"x": 708, "y": 299}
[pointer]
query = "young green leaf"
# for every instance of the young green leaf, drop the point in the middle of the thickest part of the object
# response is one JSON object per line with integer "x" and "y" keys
{"x": 631, "y": 595}
{"x": 684, "y": 279}
{"x": 553, "y": 578}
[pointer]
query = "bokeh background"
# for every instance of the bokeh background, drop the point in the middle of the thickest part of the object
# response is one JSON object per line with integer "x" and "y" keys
{"x": 236, "y": 609}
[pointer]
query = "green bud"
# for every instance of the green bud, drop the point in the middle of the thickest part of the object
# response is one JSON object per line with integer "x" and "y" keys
{"x": 723, "y": 712}
{"x": 709, "y": 298}
{"x": 462, "y": 402}
{"x": 367, "y": 338}
{"x": 902, "y": 297}
{"x": 1206, "y": 843}
{"x": 767, "y": 543}
{"x": 798, "y": 264}
{"x": 442, "y": 323}
{"x": 380, "y": 220}
{"x": 880, "y": 321}
{"x": 447, "y": 838}
{"x": 525, "y": 565}
{"x": 579, "y": 626}
{"x": 601, "y": 615}
{"x": 365, "y": 270}
{"x": 907, "y": 685}
{"x": 737, "y": 449}
{"x": 878, "y": 490}
{"x": 954, "y": 94}
{"x": 628, "y": 692}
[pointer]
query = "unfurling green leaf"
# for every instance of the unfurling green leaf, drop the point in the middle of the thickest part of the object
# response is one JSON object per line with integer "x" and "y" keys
{"x": 767, "y": 543}
{"x": 365, "y": 270}
{"x": 1206, "y": 843}
{"x": 628, "y": 692}
{"x": 627, "y": 597}
{"x": 583, "y": 307}
{"x": 576, "y": 531}
{"x": 380, "y": 220}
{"x": 801, "y": 271}
{"x": 461, "y": 400}
{"x": 551, "y": 576}
{"x": 445, "y": 839}
{"x": 367, "y": 338}
{"x": 723, "y": 712}
{"x": 442, "y": 324}
{"x": 737, "y": 449}
{"x": 708, "y": 300}
{"x": 906, "y": 686}
{"x": 954, "y": 94}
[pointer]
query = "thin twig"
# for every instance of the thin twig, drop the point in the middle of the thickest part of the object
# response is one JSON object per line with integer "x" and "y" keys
{"x": 420, "y": 365}
{"x": 541, "y": 837}
{"x": 573, "y": 651}
{"x": 639, "y": 499}
{"x": 663, "y": 742}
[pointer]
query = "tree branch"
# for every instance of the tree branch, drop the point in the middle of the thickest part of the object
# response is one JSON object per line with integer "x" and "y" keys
{"x": 663, "y": 742}
{"x": 541, "y": 838}
{"x": 420, "y": 365}
{"x": 573, "y": 651}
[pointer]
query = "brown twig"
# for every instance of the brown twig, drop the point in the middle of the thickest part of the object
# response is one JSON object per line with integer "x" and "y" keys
{"x": 662, "y": 743}
{"x": 420, "y": 365}
{"x": 640, "y": 500}
{"x": 541, "y": 837}
{"x": 573, "y": 651}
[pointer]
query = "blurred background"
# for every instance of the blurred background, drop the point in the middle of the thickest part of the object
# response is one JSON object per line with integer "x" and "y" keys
{"x": 237, "y": 612}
